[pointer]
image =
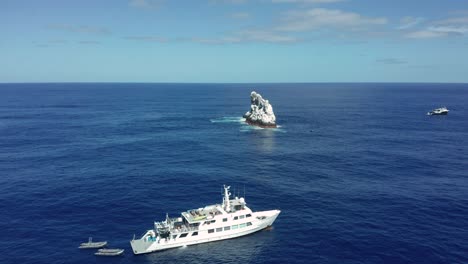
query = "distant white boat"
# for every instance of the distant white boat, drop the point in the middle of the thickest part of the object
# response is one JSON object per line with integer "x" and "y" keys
{"x": 109, "y": 252}
{"x": 439, "y": 111}
{"x": 91, "y": 244}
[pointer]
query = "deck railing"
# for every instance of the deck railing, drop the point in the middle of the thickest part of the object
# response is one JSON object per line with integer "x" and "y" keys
{"x": 184, "y": 228}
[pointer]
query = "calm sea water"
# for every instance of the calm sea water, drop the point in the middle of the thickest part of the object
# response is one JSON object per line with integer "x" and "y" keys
{"x": 360, "y": 173}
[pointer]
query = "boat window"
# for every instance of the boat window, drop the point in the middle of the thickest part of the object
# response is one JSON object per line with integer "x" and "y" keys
{"x": 195, "y": 234}
{"x": 227, "y": 228}
{"x": 224, "y": 219}
{"x": 242, "y": 216}
{"x": 164, "y": 235}
{"x": 212, "y": 221}
{"x": 235, "y": 226}
{"x": 242, "y": 225}
{"x": 210, "y": 231}
{"x": 174, "y": 236}
{"x": 236, "y": 217}
{"x": 207, "y": 222}
{"x": 249, "y": 215}
{"x": 249, "y": 223}
{"x": 219, "y": 229}
{"x": 183, "y": 235}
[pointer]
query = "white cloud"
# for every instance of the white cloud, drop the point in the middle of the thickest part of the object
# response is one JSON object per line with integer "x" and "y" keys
{"x": 244, "y": 36}
{"x": 455, "y": 26}
{"x": 409, "y": 22}
{"x": 450, "y": 29}
{"x": 298, "y": 21}
{"x": 319, "y": 18}
{"x": 266, "y": 36}
{"x": 249, "y": 36}
{"x": 228, "y": 1}
{"x": 217, "y": 41}
{"x": 307, "y": 1}
{"x": 453, "y": 20}
{"x": 423, "y": 34}
{"x": 147, "y": 38}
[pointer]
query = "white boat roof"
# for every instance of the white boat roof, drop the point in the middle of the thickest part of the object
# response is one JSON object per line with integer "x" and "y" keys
{"x": 202, "y": 214}
{"x": 210, "y": 211}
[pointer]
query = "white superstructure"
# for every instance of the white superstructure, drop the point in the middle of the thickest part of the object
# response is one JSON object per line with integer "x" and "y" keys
{"x": 215, "y": 222}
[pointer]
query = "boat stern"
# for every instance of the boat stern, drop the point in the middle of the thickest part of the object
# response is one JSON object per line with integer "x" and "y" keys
{"x": 142, "y": 245}
{"x": 138, "y": 246}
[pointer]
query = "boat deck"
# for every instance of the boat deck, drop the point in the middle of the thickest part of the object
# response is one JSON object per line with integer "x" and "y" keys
{"x": 201, "y": 214}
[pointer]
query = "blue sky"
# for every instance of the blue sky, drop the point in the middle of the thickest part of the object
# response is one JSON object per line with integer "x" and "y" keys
{"x": 234, "y": 41}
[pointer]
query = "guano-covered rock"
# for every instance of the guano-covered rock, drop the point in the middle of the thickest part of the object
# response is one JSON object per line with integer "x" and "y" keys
{"x": 261, "y": 112}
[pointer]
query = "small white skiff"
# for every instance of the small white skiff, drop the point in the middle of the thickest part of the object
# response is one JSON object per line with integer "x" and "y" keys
{"x": 91, "y": 244}
{"x": 109, "y": 252}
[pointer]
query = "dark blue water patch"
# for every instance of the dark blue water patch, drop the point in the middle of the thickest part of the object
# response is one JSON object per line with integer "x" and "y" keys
{"x": 359, "y": 171}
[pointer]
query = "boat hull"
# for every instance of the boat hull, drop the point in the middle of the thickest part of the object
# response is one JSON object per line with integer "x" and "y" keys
{"x": 109, "y": 252}
{"x": 140, "y": 246}
{"x": 443, "y": 113}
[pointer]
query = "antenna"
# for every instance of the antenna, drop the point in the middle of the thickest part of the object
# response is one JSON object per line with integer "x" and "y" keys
{"x": 226, "y": 202}
{"x": 244, "y": 191}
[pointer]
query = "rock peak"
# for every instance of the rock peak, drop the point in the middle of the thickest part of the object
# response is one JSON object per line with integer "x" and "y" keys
{"x": 261, "y": 112}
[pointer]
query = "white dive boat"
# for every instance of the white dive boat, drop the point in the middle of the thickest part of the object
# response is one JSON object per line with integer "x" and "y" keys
{"x": 91, "y": 244}
{"x": 439, "y": 111}
{"x": 215, "y": 222}
{"x": 109, "y": 252}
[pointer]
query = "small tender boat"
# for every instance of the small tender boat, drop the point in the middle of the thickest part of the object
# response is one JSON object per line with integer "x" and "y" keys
{"x": 439, "y": 111}
{"x": 109, "y": 252}
{"x": 91, "y": 244}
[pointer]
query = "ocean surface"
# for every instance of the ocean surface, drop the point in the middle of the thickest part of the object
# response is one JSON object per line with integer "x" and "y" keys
{"x": 359, "y": 172}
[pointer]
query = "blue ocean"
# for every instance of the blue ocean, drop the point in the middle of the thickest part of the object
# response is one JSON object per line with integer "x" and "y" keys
{"x": 359, "y": 171}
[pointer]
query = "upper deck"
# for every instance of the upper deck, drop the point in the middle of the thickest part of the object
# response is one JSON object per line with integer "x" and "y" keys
{"x": 210, "y": 211}
{"x": 205, "y": 213}
{"x": 192, "y": 219}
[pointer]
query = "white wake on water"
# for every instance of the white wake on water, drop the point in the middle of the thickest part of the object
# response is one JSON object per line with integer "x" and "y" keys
{"x": 247, "y": 128}
{"x": 228, "y": 119}
{"x": 244, "y": 126}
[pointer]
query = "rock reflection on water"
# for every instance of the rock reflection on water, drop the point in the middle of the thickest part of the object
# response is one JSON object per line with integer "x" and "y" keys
{"x": 262, "y": 139}
{"x": 246, "y": 249}
{"x": 266, "y": 141}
